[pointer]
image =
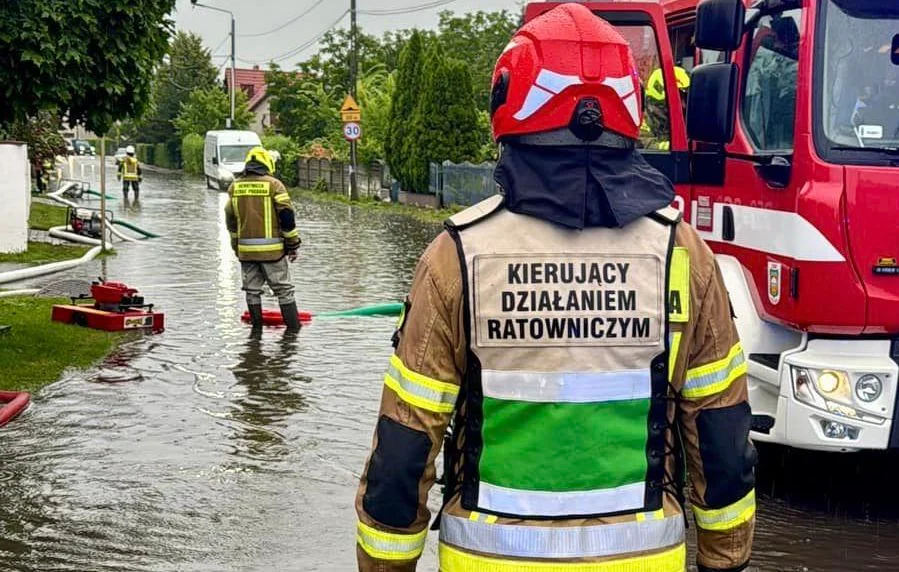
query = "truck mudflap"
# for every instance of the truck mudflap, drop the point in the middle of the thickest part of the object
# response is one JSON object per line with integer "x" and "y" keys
{"x": 894, "y": 432}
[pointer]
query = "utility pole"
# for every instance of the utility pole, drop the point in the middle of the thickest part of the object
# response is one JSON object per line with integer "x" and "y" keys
{"x": 233, "y": 54}
{"x": 354, "y": 70}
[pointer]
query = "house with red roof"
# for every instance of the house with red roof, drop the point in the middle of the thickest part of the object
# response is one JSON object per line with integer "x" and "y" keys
{"x": 252, "y": 83}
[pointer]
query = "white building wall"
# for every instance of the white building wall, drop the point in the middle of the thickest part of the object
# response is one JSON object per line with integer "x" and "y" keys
{"x": 15, "y": 197}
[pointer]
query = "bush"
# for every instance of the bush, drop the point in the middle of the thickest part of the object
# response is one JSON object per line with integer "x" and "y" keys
{"x": 145, "y": 153}
{"x": 165, "y": 156}
{"x": 192, "y": 153}
{"x": 290, "y": 152}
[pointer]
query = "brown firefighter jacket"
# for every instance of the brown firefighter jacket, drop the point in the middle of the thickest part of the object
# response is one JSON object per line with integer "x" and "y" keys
{"x": 707, "y": 410}
{"x": 260, "y": 219}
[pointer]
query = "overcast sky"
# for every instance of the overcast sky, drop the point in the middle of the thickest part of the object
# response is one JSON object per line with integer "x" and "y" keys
{"x": 259, "y": 16}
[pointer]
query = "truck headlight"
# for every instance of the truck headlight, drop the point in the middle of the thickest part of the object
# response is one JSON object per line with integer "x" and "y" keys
{"x": 868, "y": 388}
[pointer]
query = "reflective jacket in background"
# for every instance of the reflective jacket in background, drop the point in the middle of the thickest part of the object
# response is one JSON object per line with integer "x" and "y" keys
{"x": 582, "y": 371}
{"x": 260, "y": 219}
{"x": 129, "y": 169}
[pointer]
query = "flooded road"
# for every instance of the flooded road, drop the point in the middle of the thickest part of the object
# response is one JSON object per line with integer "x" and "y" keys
{"x": 216, "y": 452}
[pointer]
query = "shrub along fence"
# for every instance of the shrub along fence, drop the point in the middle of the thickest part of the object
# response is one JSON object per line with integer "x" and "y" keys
{"x": 192, "y": 153}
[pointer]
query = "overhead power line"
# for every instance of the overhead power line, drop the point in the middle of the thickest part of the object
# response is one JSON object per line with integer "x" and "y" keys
{"x": 287, "y": 23}
{"x": 306, "y": 45}
{"x": 408, "y": 9}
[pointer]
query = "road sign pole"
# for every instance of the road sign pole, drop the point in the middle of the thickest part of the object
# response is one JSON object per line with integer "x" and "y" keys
{"x": 354, "y": 189}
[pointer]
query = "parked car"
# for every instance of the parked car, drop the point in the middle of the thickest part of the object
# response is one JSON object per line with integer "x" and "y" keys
{"x": 224, "y": 154}
{"x": 82, "y": 147}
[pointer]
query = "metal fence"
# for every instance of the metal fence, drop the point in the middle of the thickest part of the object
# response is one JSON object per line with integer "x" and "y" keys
{"x": 334, "y": 176}
{"x": 463, "y": 184}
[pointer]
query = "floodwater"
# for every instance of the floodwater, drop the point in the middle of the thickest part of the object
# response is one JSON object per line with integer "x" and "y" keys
{"x": 201, "y": 449}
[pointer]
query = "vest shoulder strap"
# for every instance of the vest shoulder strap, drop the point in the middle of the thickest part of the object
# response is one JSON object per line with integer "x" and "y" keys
{"x": 667, "y": 216}
{"x": 476, "y": 213}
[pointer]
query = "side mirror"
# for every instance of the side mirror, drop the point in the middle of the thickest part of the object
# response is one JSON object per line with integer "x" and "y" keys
{"x": 712, "y": 103}
{"x": 215, "y": 161}
{"x": 719, "y": 25}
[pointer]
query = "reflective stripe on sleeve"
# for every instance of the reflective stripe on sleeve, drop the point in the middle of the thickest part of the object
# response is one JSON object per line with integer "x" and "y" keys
{"x": 558, "y": 542}
{"x": 419, "y": 390}
{"x": 717, "y": 376}
{"x": 390, "y": 546}
{"x": 673, "y": 349}
{"x": 453, "y": 560}
{"x": 567, "y": 386}
{"x": 728, "y": 517}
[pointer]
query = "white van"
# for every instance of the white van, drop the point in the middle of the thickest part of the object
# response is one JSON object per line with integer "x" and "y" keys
{"x": 224, "y": 155}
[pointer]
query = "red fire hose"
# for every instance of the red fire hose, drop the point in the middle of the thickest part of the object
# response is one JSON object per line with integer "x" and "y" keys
{"x": 11, "y": 404}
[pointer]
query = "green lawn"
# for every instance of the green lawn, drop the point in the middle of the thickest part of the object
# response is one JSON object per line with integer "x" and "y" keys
{"x": 420, "y": 213}
{"x": 43, "y": 252}
{"x": 44, "y": 217}
{"x": 36, "y": 351}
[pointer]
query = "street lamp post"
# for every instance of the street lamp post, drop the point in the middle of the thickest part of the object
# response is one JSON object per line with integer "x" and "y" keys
{"x": 233, "y": 54}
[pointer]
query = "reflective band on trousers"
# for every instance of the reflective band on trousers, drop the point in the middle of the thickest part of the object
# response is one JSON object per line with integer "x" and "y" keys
{"x": 504, "y": 500}
{"x": 419, "y": 390}
{"x": 562, "y": 541}
{"x": 390, "y": 546}
{"x": 717, "y": 376}
{"x": 453, "y": 560}
{"x": 567, "y": 386}
{"x": 728, "y": 517}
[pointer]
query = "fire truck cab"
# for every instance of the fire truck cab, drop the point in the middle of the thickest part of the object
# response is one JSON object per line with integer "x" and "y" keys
{"x": 778, "y": 122}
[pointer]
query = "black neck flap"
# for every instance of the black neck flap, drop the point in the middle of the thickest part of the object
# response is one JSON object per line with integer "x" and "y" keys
{"x": 581, "y": 186}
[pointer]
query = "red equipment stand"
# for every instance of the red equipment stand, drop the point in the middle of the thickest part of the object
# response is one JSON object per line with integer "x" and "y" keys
{"x": 274, "y": 318}
{"x": 11, "y": 404}
{"x": 91, "y": 317}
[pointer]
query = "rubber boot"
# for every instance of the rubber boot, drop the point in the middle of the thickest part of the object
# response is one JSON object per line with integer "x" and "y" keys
{"x": 255, "y": 315}
{"x": 290, "y": 317}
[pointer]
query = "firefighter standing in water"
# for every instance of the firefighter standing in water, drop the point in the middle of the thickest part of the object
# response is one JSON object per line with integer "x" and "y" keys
{"x": 264, "y": 236}
{"x": 577, "y": 338}
{"x": 130, "y": 173}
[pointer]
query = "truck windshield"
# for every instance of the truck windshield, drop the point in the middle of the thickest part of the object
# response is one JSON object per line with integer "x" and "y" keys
{"x": 234, "y": 153}
{"x": 860, "y": 79}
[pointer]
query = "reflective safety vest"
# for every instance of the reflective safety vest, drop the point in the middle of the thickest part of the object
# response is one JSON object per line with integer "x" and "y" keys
{"x": 258, "y": 230}
{"x": 129, "y": 170}
{"x": 566, "y": 393}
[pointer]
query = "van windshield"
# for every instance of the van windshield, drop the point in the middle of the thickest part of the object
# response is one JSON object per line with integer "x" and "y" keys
{"x": 234, "y": 153}
{"x": 861, "y": 75}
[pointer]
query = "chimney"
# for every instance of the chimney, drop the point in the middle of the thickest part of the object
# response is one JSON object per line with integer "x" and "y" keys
{"x": 256, "y": 67}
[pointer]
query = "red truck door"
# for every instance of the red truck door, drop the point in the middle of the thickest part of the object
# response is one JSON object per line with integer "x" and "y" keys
{"x": 663, "y": 139}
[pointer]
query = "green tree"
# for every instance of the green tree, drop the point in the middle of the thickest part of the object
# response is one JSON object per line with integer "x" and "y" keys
{"x": 478, "y": 39}
{"x": 187, "y": 69}
{"x": 62, "y": 55}
{"x": 399, "y": 145}
{"x": 208, "y": 109}
{"x": 41, "y": 134}
{"x": 375, "y": 91}
{"x": 446, "y": 124}
{"x": 304, "y": 108}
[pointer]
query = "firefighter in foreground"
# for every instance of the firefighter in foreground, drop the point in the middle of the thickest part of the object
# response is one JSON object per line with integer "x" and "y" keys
{"x": 264, "y": 236}
{"x": 130, "y": 173}
{"x": 577, "y": 338}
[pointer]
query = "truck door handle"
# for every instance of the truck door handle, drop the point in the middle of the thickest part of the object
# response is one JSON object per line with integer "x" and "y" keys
{"x": 728, "y": 231}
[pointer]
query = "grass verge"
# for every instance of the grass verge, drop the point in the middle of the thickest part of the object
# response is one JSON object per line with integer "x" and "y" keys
{"x": 45, "y": 217}
{"x": 421, "y": 213}
{"x": 36, "y": 351}
{"x": 43, "y": 252}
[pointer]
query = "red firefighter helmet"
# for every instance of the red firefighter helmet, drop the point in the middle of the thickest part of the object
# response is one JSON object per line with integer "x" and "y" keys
{"x": 558, "y": 69}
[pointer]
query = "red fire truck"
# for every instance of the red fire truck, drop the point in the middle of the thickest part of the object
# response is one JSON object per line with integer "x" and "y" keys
{"x": 787, "y": 163}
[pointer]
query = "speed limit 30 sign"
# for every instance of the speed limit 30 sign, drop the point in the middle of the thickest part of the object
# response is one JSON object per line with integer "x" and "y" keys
{"x": 352, "y": 131}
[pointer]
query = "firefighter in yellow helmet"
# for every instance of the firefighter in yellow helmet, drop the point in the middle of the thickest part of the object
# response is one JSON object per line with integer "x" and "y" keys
{"x": 264, "y": 235}
{"x": 579, "y": 381}
{"x": 130, "y": 174}
{"x": 655, "y": 130}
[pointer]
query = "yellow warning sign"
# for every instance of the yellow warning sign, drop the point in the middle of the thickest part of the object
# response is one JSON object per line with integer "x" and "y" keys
{"x": 350, "y": 111}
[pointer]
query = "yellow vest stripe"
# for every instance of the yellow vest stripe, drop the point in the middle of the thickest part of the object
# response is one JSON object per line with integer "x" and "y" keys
{"x": 453, "y": 560}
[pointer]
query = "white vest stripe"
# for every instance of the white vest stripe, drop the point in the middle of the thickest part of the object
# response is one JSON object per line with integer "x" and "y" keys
{"x": 504, "y": 500}
{"x": 567, "y": 386}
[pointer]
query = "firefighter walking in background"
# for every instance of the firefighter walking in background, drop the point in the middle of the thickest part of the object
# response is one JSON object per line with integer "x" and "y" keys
{"x": 130, "y": 174}
{"x": 577, "y": 339}
{"x": 264, "y": 236}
